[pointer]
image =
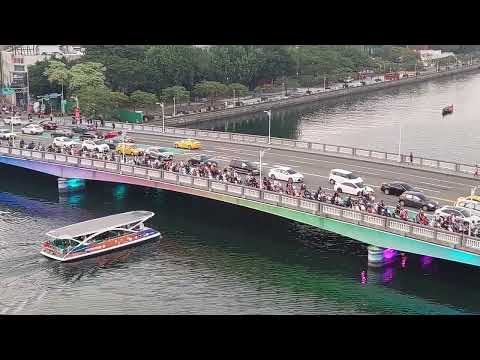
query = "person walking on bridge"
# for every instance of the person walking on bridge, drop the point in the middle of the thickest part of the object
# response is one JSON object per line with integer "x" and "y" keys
{"x": 411, "y": 158}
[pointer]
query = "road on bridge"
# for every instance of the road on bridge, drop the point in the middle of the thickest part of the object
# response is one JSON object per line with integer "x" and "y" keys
{"x": 316, "y": 167}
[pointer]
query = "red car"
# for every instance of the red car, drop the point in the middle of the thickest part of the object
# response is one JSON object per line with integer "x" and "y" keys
{"x": 48, "y": 125}
{"x": 111, "y": 134}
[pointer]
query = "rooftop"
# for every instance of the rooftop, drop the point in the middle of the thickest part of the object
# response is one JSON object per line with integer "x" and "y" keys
{"x": 100, "y": 224}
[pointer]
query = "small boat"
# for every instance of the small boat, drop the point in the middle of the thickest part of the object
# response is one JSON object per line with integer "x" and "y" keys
{"x": 98, "y": 236}
{"x": 447, "y": 110}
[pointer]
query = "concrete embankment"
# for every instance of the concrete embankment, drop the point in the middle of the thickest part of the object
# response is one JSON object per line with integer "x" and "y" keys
{"x": 250, "y": 109}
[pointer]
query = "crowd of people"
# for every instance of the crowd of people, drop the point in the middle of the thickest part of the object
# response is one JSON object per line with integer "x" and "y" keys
{"x": 210, "y": 170}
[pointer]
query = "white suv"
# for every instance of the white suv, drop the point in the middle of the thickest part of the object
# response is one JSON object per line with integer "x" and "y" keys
{"x": 62, "y": 141}
{"x": 352, "y": 188}
{"x": 342, "y": 176}
{"x": 95, "y": 145}
{"x": 32, "y": 129}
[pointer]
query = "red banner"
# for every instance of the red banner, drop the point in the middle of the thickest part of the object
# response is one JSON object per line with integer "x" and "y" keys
{"x": 77, "y": 113}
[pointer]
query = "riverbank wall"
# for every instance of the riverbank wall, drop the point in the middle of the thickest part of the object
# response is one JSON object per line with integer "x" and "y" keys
{"x": 186, "y": 120}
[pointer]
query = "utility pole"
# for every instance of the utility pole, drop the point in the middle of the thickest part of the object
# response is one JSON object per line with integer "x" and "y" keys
{"x": 174, "y": 113}
{"x": 269, "y": 113}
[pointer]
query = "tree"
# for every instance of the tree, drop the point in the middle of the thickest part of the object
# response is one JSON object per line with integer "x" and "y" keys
{"x": 180, "y": 94}
{"x": 210, "y": 89}
{"x": 38, "y": 82}
{"x": 100, "y": 101}
{"x": 240, "y": 89}
{"x": 58, "y": 73}
{"x": 141, "y": 99}
{"x": 89, "y": 74}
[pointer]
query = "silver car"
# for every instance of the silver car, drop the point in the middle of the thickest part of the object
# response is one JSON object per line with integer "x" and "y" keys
{"x": 159, "y": 153}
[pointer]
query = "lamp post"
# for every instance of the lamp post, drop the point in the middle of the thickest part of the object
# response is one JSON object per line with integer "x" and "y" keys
{"x": 400, "y": 144}
{"x": 162, "y": 105}
{"x": 269, "y": 113}
{"x": 174, "y": 112}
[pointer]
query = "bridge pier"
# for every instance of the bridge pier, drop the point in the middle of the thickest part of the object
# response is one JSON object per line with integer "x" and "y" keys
{"x": 70, "y": 185}
{"x": 378, "y": 256}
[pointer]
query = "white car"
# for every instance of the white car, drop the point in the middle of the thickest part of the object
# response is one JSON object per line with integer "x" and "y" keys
{"x": 340, "y": 176}
{"x": 95, "y": 145}
{"x": 15, "y": 120}
{"x": 32, "y": 129}
{"x": 159, "y": 153}
{"x": 62, "y": 141}
{"x": 352, "y": 188}
{"x": 6, "y": 134}
{"x": 285, "y": 173}
{"x": 459, "y": 213}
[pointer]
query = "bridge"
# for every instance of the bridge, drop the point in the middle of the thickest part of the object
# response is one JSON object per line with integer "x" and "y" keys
{"x": 445, "y": 179}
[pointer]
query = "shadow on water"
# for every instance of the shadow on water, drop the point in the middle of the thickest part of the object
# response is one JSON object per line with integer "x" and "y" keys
{"x": 240, "y": 245}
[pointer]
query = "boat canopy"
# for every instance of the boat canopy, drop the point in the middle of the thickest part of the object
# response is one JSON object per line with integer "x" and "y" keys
{"x": 100, "y": 225}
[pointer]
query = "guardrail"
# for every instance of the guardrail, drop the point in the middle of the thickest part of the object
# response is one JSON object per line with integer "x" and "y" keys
{"x": 416, "y": 231}
{"x": 305, "y": 146}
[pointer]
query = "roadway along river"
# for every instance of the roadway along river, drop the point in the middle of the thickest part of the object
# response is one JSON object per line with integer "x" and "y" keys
{"x": 373, "y": 120}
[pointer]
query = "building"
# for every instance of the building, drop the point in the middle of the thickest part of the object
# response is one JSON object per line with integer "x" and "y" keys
{"x": 14, "y": 62}
{"x": 429, "y": 57}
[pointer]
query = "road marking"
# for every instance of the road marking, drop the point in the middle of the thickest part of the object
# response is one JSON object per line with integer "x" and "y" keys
{"x": 447, "y": 200}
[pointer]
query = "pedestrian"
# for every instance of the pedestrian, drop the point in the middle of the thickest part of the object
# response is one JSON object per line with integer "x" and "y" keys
{"x": 476, "y": 170}
{"x": 411, "y": 158}
{"x": 113, "y": 125}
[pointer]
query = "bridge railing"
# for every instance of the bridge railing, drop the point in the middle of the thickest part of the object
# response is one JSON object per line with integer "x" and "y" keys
{"x": 407, "y": 229}
{"x": 306, "y": 146}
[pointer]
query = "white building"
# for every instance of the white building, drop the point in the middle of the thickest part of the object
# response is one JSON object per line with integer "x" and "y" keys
{"x": 428, "y": 57}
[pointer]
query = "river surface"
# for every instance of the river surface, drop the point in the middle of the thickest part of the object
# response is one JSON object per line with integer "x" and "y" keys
{"x": 373, "y": 120}
{"x": 216, "y": 258}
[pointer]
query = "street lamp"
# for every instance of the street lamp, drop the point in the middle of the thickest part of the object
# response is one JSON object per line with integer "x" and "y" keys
{"x": 162, "y": 105}
{"x": 269, "y": 113}
{"x": 400, "y": 144}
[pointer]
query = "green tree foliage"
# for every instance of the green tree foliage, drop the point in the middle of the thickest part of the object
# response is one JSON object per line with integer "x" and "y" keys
{"x": 240, "y": 89}
{"x": 39, "y": 84}
{"x": 57, "y": 72}
{"x": 210, "y": 89}
{"x": 139, "y": 99}
{"x": 88, "y": 74}
{"x": 100, "y": 101}
{"x": 180, "y": 94}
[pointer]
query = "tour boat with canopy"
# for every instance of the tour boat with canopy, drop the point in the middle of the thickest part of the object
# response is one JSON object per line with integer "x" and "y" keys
{"x": 97, "y": 236}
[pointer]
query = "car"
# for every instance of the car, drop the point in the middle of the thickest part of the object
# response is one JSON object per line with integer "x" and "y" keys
{"x": 469, "y": 204}
{"x": 33, "y": 129}
{"x": 95, "y": 145}
{"x": 243, "y": 166}
{"x": 285, "y": 173}
{"x": 202, "y": 159}
{"x": 6, "y": 134}
{"x": 417, "y": 199}
{"x": 395, "y": 188}
{"x": 339, "y": 175}
{"x": 15, "y": 120}
{"x": 356, "y": 189}
{"x": 81, "y": 128}
{"x": 188, "y": 144}
{"x": 62, "y": 132}
{"x": 159, "y": 153}
{"x": 459, "y": 213}
{"x": 49, "y": 125}
{"x": 89, "y": 135}
{"x": 63, "y": 141}
{"x": 111, "y": 134}
{"x": 475, "y": 198}
{"x": 129, "y": 149}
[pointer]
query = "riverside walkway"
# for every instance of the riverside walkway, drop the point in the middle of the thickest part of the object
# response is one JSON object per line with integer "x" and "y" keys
{"x": 445, "y": 179}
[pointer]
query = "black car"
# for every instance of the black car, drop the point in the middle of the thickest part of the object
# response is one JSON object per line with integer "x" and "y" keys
{"x": 417, "y": 200}
{"x": 202, "y": 159}
{"x": 113, "y": 142}
{"x": 396, "y": 188}
{"x": 82, "y": 128}
{"x": 244, "y": 167}
{"x": 62, "y": 132}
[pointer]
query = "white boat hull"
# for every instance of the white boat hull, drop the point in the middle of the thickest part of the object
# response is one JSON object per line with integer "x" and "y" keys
{"x": 102, "y": 251}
